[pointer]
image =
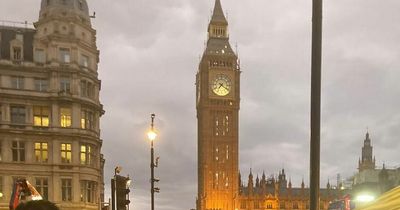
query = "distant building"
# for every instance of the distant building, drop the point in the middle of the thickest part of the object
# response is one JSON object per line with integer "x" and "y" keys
{"x": 50, "y": 109}
{"x": 278, "y": 193}
{"x": 369, "y": 178}
{"x": 218, "y": 103}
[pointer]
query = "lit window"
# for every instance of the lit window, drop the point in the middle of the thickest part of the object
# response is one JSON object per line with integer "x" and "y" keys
{"x": 17, "y": 82}
{"x": 87, "y": 155}
{"x": 18, "y": 114}
{"x": 295, "y": 205}
{"x": 41, "y": 152}
{"x": 17, "y": 53}
{"x": 41, "y": 116}
{"x": 41, "y": 85}
{"x": 18, "y": 151}
{"x": 66, "y": 189}
{"x": 243, "y": 205}
{"x": 65, "y": 56}
{"x": 39, "y": 56}
{"x": 87, "y": 120}
{"x": 88, "y": 191}
{"x": 42, "y": 186}
{"x": 1, "y": 188}
{"x": 282, "y": 205}
{"x": 65, "y": 117}
{"x": 65, "y": 84}
{"x": 66, "y": 153}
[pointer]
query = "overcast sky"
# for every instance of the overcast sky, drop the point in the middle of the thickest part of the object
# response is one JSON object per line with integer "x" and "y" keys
{"x": 149, "y": 57}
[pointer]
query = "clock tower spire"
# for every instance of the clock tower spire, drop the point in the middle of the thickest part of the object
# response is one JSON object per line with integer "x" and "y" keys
{"x": 218, "y": 102}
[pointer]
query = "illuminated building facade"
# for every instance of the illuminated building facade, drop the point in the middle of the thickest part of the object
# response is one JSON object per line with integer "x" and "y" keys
{"x": 218, "y": 102}
{"x": 217, "y": 82}
{"x": 50, "y": 109}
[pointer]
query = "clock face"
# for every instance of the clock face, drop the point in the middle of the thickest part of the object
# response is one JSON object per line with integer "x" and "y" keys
{"x": 221, "y": 85}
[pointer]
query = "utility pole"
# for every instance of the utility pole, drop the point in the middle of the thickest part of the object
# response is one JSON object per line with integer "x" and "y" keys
{"x": 315, "y": 144}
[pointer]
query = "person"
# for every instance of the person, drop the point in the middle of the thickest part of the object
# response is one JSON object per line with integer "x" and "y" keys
{"x": 37, "y": 205}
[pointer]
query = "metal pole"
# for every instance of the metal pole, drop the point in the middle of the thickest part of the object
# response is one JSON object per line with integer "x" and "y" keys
{"x": 315, "y": 104}
{"x": 152, "y": 163}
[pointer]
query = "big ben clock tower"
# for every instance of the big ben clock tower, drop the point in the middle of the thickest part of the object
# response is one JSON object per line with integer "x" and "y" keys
{"x": 218, "y": 99}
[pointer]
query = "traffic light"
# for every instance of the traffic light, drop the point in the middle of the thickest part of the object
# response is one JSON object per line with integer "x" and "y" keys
{"x": 122, "y": 192}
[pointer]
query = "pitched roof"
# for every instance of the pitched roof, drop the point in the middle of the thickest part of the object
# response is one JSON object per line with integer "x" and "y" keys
{"x": 218, "y": 14}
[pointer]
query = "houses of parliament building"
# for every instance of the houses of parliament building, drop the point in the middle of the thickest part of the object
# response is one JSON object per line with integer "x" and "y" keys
{"x": 218, "y": 101}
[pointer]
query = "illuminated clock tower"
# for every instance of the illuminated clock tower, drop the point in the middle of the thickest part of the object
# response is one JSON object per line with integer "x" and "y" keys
{"x": 217, "y": 102}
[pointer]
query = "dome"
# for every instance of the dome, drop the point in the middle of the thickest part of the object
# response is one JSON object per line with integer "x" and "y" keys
{"x": 78, "y": 7}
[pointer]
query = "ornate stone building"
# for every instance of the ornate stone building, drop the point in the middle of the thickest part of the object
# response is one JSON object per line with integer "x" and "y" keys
{"x": 370, "y": 179}
{"x": 50, "y": 109}
{"x": 218, "y": 97}
{"x": 218, "y": 102}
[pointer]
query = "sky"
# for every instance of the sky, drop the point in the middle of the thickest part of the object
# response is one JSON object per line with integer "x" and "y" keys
{"x": 149, "y": 55}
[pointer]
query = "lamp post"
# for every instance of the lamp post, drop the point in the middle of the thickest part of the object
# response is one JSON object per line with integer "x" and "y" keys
{"x": 117, "y": 170}
{"x": 315, "y": 145}
{"x": 152, "y": 136}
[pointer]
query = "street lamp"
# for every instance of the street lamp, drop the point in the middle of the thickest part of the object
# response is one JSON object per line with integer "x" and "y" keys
{"x": 152, "y": 135}
{"x": 117, "y": 170}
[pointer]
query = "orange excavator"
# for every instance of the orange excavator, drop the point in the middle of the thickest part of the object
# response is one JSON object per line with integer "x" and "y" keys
{"x": 23, "y": 191}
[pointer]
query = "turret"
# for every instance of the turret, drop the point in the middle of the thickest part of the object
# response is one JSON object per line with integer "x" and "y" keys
{"x": 218, "y": 27}
{"x": 367, "y": 160}
{"x": 250, "y": 184}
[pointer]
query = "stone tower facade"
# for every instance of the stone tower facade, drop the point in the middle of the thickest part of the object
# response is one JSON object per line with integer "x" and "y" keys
{"x": 218, "y": 101}
{"x": 367, "y": 160}
{"x": 50, "y": 109}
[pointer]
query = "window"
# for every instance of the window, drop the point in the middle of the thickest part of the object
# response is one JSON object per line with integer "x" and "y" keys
{"x": 85, "y": 61}
{"x": 18, "y": 151}
{"x": 41, "y": 116}
{"x": 65, "y": 55}
{"x": 87, "y": 155}
{"x": 41, "y": 152}
{"x": 41, "y": 85}
{"x": 1, "y": 188}
{"x": 269, "y": 205}
{"x": 19, "y": 37}
{"x": 222, "y": 124}
{"x": 40, "y": 56}
{"x": 243, "y": 205}
{"x": 256, "y": 204}
{"x": 42, "y": 186}
{"x": 295, "y": 205}
{"x": 1, "y": 153}
{"x": 17, "y": 53}
{"x": 65, "y": 84}
{"x": 87, "y": 89}
{"x": 282, "y": 205}
{"x": 18, "y": 114}
{"x": 66, "y": 153}
{"x": 87, "y": 120}
{"x": 88, "y": 191}
{"x": 17, "y": 82}
{"x": 65, "y": 117}
{"x": 66, "y": 189}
